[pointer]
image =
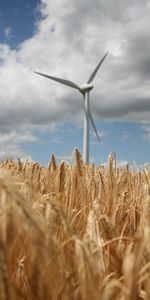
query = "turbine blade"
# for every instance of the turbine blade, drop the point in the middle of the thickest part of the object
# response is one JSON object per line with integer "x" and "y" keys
{"x": 93, "y": 125}
{"x": 96, "y": 69}
{"x": 63, "y": 81}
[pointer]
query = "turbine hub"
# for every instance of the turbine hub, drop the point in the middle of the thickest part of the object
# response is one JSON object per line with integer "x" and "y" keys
{"x": 86, "y": 88}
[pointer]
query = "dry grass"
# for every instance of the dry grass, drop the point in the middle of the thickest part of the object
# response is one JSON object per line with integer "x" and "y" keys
{"x": 74, "y": 231}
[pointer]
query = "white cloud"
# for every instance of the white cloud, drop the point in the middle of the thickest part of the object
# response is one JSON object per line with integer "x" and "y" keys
{"x": 11, "y": 144}
{"x": 8, "y": 32}
{"x": 101, "y": 135}
{"x": 17, "y": 138}
{"x": 56, "y": 140}
{"x": 146, "y": 135}
{"x": 127, "y": 137}
{"x": 70, "y": 38}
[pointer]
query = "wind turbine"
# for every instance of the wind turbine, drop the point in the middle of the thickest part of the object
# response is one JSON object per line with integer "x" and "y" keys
{"x": 85, "y": 91}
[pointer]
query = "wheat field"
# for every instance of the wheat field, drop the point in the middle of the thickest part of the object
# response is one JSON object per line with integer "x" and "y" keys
{"x": 74, "y": 232}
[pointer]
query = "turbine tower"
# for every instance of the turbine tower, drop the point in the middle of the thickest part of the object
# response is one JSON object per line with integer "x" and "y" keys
{"x": 85, "y": 91}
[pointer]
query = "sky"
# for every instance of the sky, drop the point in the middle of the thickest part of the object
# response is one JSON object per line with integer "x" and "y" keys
{"x": 67, "y": 38}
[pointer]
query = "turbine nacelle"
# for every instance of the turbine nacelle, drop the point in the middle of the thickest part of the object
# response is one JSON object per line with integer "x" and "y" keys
{"x": 86, "y": 88}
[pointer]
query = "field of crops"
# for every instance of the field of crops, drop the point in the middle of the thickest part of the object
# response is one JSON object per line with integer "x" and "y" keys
{"x": 74, "y": 232}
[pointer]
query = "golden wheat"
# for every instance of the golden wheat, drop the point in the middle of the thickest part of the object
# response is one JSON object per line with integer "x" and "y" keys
{"x": 74, "y": 231}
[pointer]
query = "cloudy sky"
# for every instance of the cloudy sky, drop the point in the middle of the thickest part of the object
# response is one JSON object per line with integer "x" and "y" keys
{"x": 67, "y": 38}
